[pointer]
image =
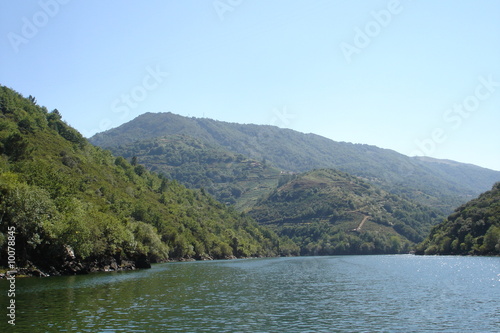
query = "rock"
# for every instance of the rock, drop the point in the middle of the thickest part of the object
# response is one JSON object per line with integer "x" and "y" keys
{"x": 67, "y": 264}
{"x": 39, "y": 273}
{"x": 69, "y": 252}
{"x": 73, "y": 268}
{"x": 53, "y": 271}
{"x": 30, "y": 271}
{"x": 114, "y": 265}
{"x": 127, "y": 265}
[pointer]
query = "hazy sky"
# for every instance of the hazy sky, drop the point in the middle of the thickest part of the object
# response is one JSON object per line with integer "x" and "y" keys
{"x": 419, "y": 77}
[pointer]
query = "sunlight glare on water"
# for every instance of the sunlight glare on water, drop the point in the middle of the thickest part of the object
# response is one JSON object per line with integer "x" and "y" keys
{"x": 306, "y": 294}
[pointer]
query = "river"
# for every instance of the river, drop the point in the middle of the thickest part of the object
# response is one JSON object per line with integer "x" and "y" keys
{"x": 399, "y": 293}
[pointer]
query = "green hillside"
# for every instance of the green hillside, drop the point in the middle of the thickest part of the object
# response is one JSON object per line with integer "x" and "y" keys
{"x": 443, "y": 186}
{"x": 232, "y": 178}
{"x": 473, "y": 229}
{"x": 76, "y": 208}
{"x": 330, "y": 212}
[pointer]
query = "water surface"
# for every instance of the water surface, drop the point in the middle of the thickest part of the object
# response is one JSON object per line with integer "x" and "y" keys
{"x": 400, "y": 293}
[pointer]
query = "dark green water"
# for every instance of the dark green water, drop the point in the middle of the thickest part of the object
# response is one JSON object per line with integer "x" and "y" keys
{"x": 310, "y": 294}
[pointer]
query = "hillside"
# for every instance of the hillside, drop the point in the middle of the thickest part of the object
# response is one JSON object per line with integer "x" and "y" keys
{"x": 76, "y": 208}
{"x": 232, "y": 178}
{"x": 473, "y": 229}
{"x": 444, "y": 186}
{"x": 330, "y": 212}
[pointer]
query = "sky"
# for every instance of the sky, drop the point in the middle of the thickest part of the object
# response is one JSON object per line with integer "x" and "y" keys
{"x": 418, "y": 77}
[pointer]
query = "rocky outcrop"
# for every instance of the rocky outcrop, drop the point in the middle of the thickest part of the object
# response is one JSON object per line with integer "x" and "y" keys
{"x": 66, "y": 263}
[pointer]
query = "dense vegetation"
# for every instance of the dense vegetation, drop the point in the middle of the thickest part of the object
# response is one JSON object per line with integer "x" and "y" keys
{"x": 330, "y": 212}
{"x": 320, "y": 211}
{"x": 232, "y": 178}
{"x": 441, "y": 184}
{"x": 473, "y": 229}
{"x": 67, "y": 198}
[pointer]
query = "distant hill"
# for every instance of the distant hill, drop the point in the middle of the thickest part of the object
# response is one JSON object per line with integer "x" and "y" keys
{"x": 232, "y": 178}
{"x": 473, "y": 229}
{"x": 330, "y": 212}
{"x": 428, "y": 181}
{"x": 73, "y": 207}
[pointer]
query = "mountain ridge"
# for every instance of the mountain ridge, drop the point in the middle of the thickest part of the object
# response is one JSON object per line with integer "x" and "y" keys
{"x": 442, "y": 185}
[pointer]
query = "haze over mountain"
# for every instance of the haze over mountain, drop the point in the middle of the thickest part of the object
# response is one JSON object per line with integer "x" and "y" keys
{"x": 437, "y": 183}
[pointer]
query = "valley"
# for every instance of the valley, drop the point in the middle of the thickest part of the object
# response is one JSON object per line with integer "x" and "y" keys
{"x": 385, "y": 203}
{"x": 176, "y": 188}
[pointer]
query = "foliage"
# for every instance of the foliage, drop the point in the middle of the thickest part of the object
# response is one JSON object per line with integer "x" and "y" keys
{"x": 231, "y": 178}
{"x": 330, "y": 212}
{"x": 441, "y": 184}
{"x": 473, "y": 229}
{"x": 59, "y": 191}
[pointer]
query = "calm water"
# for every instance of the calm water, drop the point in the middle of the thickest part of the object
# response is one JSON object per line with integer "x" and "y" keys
{"x": 401, "y": 293}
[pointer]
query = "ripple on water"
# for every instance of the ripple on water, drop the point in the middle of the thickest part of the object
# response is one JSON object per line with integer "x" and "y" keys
{"x": 309, "y": 294}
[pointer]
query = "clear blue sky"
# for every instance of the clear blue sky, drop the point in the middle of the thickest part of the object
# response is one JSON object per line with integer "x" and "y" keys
{"x": 419, "y": 77}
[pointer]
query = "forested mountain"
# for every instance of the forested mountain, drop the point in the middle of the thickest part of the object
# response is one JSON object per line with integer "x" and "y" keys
{"x": 473, "y": 229}
{"x": 431, "y": 182}
{"x": 232, "y": 178}
{"x": 330, "y": 212}
{"x": 325, "y": 203}
{"x": 75, "y": 207}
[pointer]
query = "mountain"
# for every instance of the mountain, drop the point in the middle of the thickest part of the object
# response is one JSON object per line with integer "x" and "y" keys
{"x": 232, "y": 178}
{"x": 330, "y": 212}
{"x": 473, "y": 229}
{"x": 71, "y": 207}
{"x": 428, "y": 181}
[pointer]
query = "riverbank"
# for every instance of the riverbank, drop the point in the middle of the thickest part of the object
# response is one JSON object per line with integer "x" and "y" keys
{"x": 107, "y": 264}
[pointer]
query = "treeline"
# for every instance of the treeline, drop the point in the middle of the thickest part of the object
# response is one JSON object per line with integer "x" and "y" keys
{"x": 66, "y": 197}
{"x": 324, "y": 238}
{"x": 322, "y": 210}
{"x": 473, "y": 229}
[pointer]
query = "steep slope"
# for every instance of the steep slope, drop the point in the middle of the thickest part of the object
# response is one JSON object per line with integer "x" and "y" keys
{"x": 74, "y": 207}
{"x": 330, "y": 212}
{"x": 232, "y": 178}
{"x": 473, "y": 229}
{"x": 428, "y": 182}
{"x": 459, "y": 174}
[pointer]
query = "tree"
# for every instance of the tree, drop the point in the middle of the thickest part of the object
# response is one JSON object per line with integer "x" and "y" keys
{"x": 148, "y": 242}
{"x": 55, "y": 115}
{"x": 31, "y": 211}
{"x": 491, "y": 241}
{"x": 16, "y": 147}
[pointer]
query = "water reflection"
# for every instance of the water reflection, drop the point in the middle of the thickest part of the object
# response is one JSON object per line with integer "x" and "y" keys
{"x": 317, "y": 294}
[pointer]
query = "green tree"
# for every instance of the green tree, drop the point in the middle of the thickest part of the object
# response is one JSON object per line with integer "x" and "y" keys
{"x": 16, "y": 147}
{"x": 31, "y": 211}
{"x": 491, "y": 242}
